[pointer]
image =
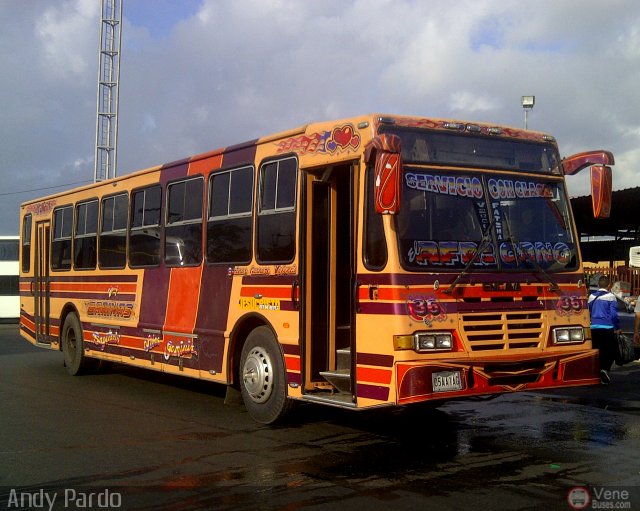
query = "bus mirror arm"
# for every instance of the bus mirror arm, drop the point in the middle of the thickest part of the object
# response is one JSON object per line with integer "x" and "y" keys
{"x": 575, "y": 163}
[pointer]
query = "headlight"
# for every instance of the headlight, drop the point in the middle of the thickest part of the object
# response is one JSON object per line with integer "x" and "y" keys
{"x": 444, "y": 342}
{"x": 432, "y": 341}
{"x": 424, "y": 341}
{"x": 568, "y": 335}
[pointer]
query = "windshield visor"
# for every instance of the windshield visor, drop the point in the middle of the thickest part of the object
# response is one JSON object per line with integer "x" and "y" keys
{"x": 464, "y": 150}
{"x": 445, "y": 218}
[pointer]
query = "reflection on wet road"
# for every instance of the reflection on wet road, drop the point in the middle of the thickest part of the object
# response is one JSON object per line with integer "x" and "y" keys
{"x": 169, "y": 443}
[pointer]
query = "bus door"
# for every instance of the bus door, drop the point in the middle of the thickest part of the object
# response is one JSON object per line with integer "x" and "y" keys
{"x": 42, "y": 284}
{"x": 328, "y": 280}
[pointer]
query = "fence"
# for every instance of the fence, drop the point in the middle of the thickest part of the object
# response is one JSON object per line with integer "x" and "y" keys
{"x": 619, "y": 273}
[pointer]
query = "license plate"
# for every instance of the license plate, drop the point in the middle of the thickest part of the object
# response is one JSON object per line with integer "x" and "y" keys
{"x": 445, "y": 381}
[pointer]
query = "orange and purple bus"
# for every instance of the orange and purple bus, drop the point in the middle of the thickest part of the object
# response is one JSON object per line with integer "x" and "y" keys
{"x": 366, "y": 262}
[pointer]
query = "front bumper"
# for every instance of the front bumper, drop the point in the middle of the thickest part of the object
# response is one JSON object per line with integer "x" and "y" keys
{"x": 415, "y": 380}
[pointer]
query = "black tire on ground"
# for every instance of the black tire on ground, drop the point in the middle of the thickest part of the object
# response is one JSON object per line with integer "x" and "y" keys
{"x": 73, "y": 348}
{"x": 263, "y": 378}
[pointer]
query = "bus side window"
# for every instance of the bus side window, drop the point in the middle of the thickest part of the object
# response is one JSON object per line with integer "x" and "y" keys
{"x": 61, "y": 243}
{"x": 85, "y": 248}
{"x": 144, "y": 234}
{"x": 375, "y": 245}
{"x": 229, "y": 224}
{"x": 277, "y": 213}
{"x": 183, "y": 231}
{"x": 113, "y": 233}
{"x": 26, "y": 243}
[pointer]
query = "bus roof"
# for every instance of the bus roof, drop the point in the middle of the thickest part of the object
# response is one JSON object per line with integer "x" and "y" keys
{"x": 360, "y": 125}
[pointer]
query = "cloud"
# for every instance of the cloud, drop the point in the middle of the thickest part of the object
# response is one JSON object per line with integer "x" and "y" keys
{"x": 63, "y": 32}
{"x": 470, "y": 102}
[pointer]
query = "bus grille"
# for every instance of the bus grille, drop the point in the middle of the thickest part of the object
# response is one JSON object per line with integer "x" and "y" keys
{"x": 503, "y": 331}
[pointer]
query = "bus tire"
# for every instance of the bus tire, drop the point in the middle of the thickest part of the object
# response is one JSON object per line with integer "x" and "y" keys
{"x": 263, "y": 378}
{"x": 75, "y": 361}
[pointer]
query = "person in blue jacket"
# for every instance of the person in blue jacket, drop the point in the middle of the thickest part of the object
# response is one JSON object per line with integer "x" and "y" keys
{"x": 604, "y": 326}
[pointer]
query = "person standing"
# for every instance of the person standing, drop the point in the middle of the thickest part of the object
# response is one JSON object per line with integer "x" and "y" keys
{"x": 604, "y": 326}
{"x": 636, "y": 323}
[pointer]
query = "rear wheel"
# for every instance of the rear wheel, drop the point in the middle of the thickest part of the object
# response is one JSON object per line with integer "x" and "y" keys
{"x": 73, "y": 347}
{"x": 263, "y": 377}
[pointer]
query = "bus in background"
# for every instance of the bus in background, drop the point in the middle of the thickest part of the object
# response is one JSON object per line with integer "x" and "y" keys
{"x": 366, "y": 262}
{"x": 9, "y": 275}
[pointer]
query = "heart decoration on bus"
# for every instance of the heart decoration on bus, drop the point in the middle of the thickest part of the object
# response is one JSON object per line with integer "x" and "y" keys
{"x": 343, "y": 138}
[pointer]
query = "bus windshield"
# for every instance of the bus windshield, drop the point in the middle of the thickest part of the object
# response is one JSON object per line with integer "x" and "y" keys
{"x": 445, "y": 216}
{"x": 465, "y": 150}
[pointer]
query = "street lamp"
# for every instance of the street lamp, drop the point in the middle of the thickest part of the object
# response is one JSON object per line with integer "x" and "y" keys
{"x": 527, "y": 104}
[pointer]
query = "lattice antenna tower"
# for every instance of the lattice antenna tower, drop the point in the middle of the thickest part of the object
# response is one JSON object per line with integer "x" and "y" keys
{"x": 108, "y": 85}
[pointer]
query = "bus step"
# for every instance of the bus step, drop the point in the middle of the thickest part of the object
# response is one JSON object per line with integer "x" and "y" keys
{"x": 340, "y": 379}
{"x": 340, "y": 400}
{"x": 343, "y": 359}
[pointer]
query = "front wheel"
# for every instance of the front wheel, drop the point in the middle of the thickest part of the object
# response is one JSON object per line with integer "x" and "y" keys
{"x": 73, "y": 347}
{"x": 263, "y": 377}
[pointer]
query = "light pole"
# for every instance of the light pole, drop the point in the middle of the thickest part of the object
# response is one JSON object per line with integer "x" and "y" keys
{"x": 527, "y": 104}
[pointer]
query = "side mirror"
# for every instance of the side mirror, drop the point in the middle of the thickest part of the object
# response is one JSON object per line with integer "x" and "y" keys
{"x": 601, "y": 191}
{"x": 599, "y": 162}
{"x": 385, "y": 149}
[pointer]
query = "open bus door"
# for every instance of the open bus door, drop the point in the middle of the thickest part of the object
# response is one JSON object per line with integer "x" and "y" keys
{"x": 42, "y": 285}
{"x": 328, "y": 282}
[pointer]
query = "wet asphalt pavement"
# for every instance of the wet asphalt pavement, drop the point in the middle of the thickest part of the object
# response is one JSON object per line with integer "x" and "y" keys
{"x": 142, "y": 440}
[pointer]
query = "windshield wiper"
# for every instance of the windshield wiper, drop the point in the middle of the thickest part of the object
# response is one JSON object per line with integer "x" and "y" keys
{"x": 484, "y": 242}
{"x": 514, "y": 242}
{"x": 512, "y": 239}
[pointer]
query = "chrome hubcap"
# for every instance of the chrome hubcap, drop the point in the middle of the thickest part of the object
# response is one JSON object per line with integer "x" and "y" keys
{"x": 257, "y": 375}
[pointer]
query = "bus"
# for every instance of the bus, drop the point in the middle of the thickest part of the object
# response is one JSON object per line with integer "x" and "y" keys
{"x": 366, "y": 262}
{"x": 9, "y": 292}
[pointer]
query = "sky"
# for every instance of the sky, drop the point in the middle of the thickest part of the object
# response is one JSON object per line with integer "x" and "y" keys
{"x": 197, "y": 75}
